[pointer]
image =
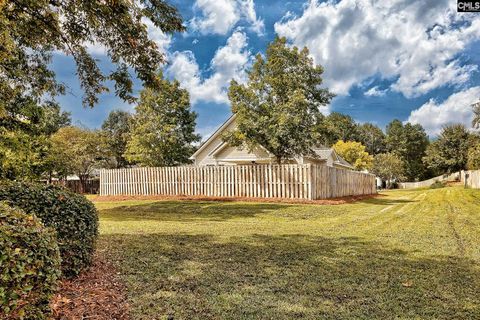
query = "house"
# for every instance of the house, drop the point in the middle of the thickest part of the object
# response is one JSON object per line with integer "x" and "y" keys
{"x": 214, "y": 151}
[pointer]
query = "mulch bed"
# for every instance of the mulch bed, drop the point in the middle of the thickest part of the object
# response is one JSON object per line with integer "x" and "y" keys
{"x": 95, "y": 294}
{"x": 333, "y": 201}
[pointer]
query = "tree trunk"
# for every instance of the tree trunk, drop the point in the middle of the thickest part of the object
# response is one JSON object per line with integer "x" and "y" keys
{"x": 83, "y": 179}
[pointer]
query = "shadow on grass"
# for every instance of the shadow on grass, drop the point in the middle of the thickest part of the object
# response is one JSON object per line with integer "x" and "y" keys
{"x": 188, "y": 210}
{"x": 288, "y": 277}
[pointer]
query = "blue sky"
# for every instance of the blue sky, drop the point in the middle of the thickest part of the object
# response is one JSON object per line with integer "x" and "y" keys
{"x": 416, "y": 61}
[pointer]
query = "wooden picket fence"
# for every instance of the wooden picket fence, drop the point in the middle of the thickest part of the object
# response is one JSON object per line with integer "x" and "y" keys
{"x": 470, "y": 179}
{"x": 293, "y": 181}
{"x": 427, "y": 183}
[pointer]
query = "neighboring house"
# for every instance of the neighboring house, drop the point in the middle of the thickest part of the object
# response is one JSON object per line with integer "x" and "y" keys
{"x": 214, "y": 151}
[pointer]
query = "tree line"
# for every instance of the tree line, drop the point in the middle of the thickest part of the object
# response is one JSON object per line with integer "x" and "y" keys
{"x": 279, "y": 108}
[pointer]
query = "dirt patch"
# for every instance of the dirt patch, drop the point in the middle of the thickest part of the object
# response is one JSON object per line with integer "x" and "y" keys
{"x": 333, "y": 201}
{"x": 95, "y": 294}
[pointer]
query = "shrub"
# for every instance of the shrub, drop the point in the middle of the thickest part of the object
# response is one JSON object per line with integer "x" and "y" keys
{"x": 72, "y": 216}
{"x": 437, "y": 185}
{"x": 29, "y": 265}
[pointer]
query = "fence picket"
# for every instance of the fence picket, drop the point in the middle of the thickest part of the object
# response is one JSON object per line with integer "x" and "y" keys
{"x": 305, "y": 181}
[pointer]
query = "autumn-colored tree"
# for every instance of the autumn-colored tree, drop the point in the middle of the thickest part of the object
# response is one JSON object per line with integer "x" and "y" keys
{"x": 354, "y": 153}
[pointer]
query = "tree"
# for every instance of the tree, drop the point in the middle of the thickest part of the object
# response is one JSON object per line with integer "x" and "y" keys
{"x": 163, "y": 128}
{"x": 337, "y": 126}
{"x": 78, "y": 151}
{"x": 372, "y": 137}
{"x": 354, "y": 153}
{"x": 389, "y": 167}
{"x": 279, "y": 107}
{"x": 409, "y": 142}
{"x": 116, "y": 129}
{"x": 25, "y": 144}
{"x": 449, "y": 153}
{"x": 34, "y": 30}
{"x": 473, "y": 162}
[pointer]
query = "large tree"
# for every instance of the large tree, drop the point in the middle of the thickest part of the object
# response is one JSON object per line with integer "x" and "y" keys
{"x": 354, "y": 153}
{"x": 116, "y": 129}
{"x": 163, "y": 128}
{"x": 389, "y": 167}
{"x": 279, "y": 107}
{"x": 449, "y": 153}
{"x": 372, "y": 137}
{"x": 33, "y": 30}
{"x": 409, "y": 142}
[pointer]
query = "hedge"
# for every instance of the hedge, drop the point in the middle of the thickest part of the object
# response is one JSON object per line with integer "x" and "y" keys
{"x": 73, "y": 217}
{"x": 29, "y": 265}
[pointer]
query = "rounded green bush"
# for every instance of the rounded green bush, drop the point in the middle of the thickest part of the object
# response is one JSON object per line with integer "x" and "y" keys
{"x": 29, "y": 265}
{"x": 72, "y": 215}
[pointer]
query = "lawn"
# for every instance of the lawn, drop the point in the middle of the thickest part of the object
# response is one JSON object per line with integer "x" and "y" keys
{"x": 406, "y": 254}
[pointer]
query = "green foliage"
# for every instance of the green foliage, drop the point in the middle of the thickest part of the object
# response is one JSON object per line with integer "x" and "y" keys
{"x": 409, "y": 142}
{"x": 29, "y": 265}
{"x": 449, "y": 153}
{"x": 437, "y": 185}
{"x": 354, "y": 153}
{"x": 34, "y": 30}
{"x": 372, "y": 137}
{"x": 78, "y": 151}
{"x": 473, "y": 162}
{"x": 389, "y": 167}
{"x": 24, "y": 142}
{"x": 72, "y": 216}
{"x": 336, "y": 127}
{"x": 163, "y": 128}
{"x": 116, "y": 129}
{"x": 31, "y": 31}
{"x": 279, "y": 107}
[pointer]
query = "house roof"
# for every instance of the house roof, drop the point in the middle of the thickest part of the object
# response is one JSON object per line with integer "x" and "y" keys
{"x": 214, "y": 135}
{"x": 323, "y": 153}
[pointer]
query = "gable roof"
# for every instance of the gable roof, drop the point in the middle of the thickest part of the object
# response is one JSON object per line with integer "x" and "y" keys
{"x": 323, "y": 153}
{"x": 213, "y": 136}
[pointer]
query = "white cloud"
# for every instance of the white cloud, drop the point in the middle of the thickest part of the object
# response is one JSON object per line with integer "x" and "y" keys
{"x": 162, "y": 39}
{"x": 414, "y": 43}
{"x": 220, "y": 16}
{"x": 375, "y": 92}
{"x": 455, "y": 109}
{"x": 228, "y": 63}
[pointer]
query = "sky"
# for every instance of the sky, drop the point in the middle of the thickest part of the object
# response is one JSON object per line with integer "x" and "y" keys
{"x": 413, "y": 60}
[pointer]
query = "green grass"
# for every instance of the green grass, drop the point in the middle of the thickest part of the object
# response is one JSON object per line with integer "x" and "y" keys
{"x": 404, "y": 255}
